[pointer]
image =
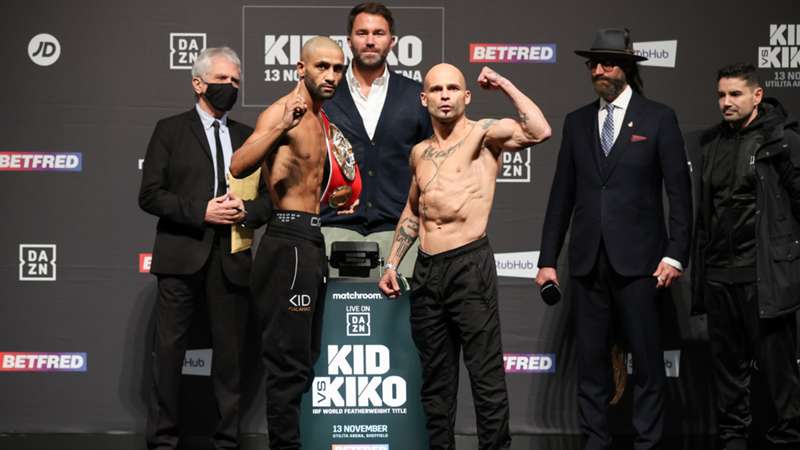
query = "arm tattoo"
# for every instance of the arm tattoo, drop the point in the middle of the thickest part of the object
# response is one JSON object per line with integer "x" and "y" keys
{"x": 406, "y": 234}
{"x": 486, "y": 123}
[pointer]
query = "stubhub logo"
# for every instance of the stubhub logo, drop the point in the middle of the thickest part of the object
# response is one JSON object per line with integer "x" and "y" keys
{"x": 42, "y": 362}
{"x": 198, "y": 362}
{"x": 517, "y": 264}
{"x": 41, "y": 162}
{"x": 658, "y": 53}
{"x": 529, "y": 362}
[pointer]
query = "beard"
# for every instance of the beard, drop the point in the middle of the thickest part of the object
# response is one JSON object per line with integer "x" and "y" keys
{"x": 369, "y": 60}
{"x": 316, "y": 91}
{"x": 611, "y": 89}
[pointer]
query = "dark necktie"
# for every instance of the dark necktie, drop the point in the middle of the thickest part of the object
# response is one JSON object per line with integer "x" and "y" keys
{"x": 221, "y": 185}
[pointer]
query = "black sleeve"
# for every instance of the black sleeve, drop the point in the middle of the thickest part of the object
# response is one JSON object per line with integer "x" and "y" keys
{"x": 561, "y": 202}
{"x": 674, "y": 166}
{"x": 154, "y": 194}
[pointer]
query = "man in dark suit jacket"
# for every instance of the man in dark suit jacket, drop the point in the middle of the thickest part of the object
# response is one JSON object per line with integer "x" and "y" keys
{"x": 380, "y": 114}
{"x": 616, "y": 154}
{"x": 183, "y": 183}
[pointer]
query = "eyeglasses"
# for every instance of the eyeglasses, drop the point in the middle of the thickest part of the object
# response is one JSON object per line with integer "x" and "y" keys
{"x": 604, "y": 63}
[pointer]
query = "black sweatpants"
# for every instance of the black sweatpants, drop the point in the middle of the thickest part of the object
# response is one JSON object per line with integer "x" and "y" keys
{"x": 740, "y": 342}
{"x": 454, "y": 305}
{"x": 289, "y": 280}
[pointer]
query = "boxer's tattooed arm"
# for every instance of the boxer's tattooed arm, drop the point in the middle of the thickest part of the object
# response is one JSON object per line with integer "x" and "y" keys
{"x": 406, "y": 234}
{"x": 486, "y": 123}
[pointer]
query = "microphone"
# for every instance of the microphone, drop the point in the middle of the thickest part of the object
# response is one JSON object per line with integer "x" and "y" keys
{"x": 550, "y": 293}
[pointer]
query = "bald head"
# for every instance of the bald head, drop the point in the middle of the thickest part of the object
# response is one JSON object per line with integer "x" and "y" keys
{"x": 445, "y": 93}
{"x": 317, "y": 45}
{"x": 444, "y": 74}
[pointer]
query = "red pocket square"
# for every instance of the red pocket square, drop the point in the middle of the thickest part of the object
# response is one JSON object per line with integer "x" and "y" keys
{"x": 638, "y": 138}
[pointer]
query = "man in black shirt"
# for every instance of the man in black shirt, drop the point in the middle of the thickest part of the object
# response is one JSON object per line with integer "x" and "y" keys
{"x": 747, "y": 271}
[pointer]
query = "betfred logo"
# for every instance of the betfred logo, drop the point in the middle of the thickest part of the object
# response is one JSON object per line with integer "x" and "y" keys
{"x": 658, "y": 53}
{"x": 359, "y": 446}
{"x": 42, "y": 362}
{"x": 517, "y": 264}
{"x": 515, "y": 167}
{"x": 145, "y": 261}
{"x": 41, "y": 162}
{"x": 197, "y": 362}
{"x": 512, "y": 53}
{"x": 37, "y": 262}
{"x": 184, "y": 49}
{"x": 529, "y": 362}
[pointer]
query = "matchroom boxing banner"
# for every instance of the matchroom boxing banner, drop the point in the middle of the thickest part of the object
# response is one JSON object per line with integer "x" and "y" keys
{"x": 365, "y": 393}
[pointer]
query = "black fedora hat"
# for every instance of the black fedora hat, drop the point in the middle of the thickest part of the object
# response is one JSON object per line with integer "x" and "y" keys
{"x": 612, "y": 43}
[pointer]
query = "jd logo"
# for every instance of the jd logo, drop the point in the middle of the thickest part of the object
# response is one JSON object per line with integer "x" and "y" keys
{"x": 44, "y": 49}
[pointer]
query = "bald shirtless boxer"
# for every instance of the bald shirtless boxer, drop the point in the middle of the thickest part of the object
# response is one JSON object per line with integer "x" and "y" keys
{"x": 290, "y": 269}
{"x": 454, "y": 288}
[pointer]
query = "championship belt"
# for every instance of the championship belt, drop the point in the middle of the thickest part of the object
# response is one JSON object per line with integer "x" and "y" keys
{"x": 343, "y": 186}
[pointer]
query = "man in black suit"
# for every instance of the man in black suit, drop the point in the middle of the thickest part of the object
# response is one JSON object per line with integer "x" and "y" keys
{"x": 380, "y": 114}
{"x": 616, "y": 154}
{"x": 183, "y": 183}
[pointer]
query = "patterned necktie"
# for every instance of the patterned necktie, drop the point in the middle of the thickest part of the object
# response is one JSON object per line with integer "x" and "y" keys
{"x": 221, "y": 184}
{"x": 607, "y": 136}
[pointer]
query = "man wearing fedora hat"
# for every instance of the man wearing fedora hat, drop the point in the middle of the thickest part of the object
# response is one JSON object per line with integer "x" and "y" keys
{"x": 616, "y": 154}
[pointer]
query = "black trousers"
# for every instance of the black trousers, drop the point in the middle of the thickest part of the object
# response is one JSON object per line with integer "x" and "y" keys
{"x": 289, "y": 283}
{"x": 603, "y": 298}
{"x": 454, "y": 305}
{"x": 741, "y": 342}
{"x": 178, "y": 298}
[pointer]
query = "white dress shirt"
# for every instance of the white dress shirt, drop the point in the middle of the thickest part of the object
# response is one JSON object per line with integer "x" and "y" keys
{"x": 369, "y": 107}
{"x": 224, "y": 137}
{"x": 620, "y": 108}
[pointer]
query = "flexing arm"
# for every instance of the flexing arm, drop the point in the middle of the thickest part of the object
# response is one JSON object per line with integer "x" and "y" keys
{"x": 508, "y": 134}
{"x": 271, "y": 128}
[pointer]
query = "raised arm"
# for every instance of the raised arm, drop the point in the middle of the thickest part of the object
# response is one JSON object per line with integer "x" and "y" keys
{"x": 272, "y": 126}
{"x": 508, "y": 134}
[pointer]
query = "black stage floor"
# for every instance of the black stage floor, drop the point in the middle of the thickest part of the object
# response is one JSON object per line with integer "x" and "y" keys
{"x": 258, "y": 442}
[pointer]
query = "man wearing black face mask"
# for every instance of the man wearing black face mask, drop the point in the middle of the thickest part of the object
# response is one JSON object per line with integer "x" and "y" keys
{"x": 183, "y": 183}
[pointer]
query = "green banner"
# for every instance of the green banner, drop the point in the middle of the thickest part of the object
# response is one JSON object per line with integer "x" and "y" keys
{"x": 365, "y": 394}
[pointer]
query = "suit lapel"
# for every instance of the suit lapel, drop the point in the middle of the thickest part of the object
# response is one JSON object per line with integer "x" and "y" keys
{"x": 199, "y": 132}
{"x": 623, "y": 142}
{"x": 592, "y": 139}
